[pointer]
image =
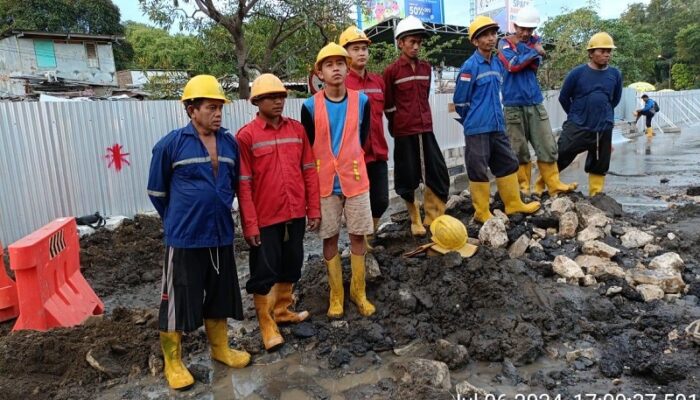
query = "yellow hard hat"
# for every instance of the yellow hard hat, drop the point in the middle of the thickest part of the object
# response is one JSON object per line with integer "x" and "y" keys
{"x": 450, "y": 234}
{"x": 266, "y": 84}
{"x": 330, "y": 50}
{"x": 481, "y": 24}
{"x": 353, "y": 35}
{"x": 204, "y": 87}
{"x": 601, "y": 40}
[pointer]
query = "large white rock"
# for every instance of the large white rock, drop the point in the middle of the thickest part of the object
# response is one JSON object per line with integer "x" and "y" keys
{"x": 562, "y": 205}
{"x": 650, "y": 292}
{"x": 589, "y": 233}
{"x": 454, "y": 201}
{"x": 567, "y": 268}
{"x": 423, "y": 372}
{"x": 668, "y": 282}
{"x": 470, "y": 391}
{"x": 591, "y": 216}
{"x": 519, "y": 247}
{"x": 588, "y": 280}
{"x": 493, "y": 233}
{"x": 670, "y": 262}
{"x": 600, "y": 249}
{"x": 635, "y": 238}
{"x": 373, "y": 271}
{"x": 568, "y": 223}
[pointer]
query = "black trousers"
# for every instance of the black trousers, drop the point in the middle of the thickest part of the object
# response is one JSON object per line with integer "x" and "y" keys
{"x": 648, "y": 115}
{"x": 279, "y": 256}
{"x": 378, "y": 174}
{"x": 489, "y": 150}
{"x": 575, "y": 140}
{"x": 407, "y": 166}
{"x": 198, "y": 284}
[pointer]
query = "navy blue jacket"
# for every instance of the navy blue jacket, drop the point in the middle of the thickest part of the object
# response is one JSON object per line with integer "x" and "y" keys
{"x": 649, "y": 106}
{"x": 194, "y": 205}
{"x": 477, "y": 97}
{"x": 589, "y": 97}
{"x": 521, "y": 60}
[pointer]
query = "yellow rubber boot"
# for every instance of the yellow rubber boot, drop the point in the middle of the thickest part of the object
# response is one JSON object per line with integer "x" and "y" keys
{"x": 524, "y": 175}
{"x": 539, "y": 185}
{"x": 335, "y": 281}
{"x": 481, "y": 194}
{"x": 357, "y": 285}
{"x": 434, "y": 206}
{"x": 595, "y": 184}
{"x": 217, "y": 332}
{"x": 175, "y": 372}
{"x": 284, "y": 300}
{"x": 509, "y": 190}
{"x": 271, "y": 336}
{"x": 650, "y": 131}
{"x": 417, "y": 228}
{"x": 550, "y": 174}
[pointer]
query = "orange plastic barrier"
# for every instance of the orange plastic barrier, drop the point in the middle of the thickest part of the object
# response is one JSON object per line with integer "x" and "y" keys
{"x": 8, "y": 294}
{"x": 51, "y": 290}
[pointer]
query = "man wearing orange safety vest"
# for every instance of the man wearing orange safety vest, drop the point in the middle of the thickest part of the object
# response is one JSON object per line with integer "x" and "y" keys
{"x": 277, "y": 191}
{"x": 417, "y": 155}
{"x": 337, "y": 122}
{"x": 376, "y": 150}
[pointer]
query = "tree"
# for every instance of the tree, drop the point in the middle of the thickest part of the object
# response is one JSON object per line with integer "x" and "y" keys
{"x": 688, "y": 44}
{"x": 155, "y": 48}
{"x": 282, "y": 20}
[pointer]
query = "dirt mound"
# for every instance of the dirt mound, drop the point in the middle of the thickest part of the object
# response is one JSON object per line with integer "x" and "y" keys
{"x": 53, "y": 364}
{"x": 129, "y": 256}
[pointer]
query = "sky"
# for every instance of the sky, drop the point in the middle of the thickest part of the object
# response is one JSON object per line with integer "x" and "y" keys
{"x": 457, "y": 11}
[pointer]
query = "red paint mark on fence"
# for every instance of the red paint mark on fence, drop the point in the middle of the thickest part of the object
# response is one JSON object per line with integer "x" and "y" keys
{"x": 116, "y": 157}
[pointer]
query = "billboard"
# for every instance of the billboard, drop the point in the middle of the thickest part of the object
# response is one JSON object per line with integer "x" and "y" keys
{"x": 502, "y": 11}
{"x": 373, "y": 12}
{"x": 484, "y": 7}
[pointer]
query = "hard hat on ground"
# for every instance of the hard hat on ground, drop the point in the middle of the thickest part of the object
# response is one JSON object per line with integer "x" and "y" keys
{"x": 480, "y": 25}
{"x": 203, "y": 87}
{"x": 528, "y": 17}
{"x": 601, "y": 40}
{"x": 410, "y": 25}
{"x": 353, "y": 35}
{"x": 266, "y": 84}
{"x": 330, "y": 50}
{"x": 450, "y": 234}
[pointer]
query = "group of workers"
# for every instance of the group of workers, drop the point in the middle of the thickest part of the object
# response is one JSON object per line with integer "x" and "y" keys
{"x": 292, "y": 176}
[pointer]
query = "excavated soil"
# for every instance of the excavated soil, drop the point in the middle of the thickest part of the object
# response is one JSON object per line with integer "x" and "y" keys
{"x": 502, "y": 310}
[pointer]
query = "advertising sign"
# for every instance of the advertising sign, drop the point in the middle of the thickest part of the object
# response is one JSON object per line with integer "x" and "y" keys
{"x": 514, "y": 6}
{"x": 374, "y": 12}
{"x": 487, "y": 6}
{"x": 426, "y": 10}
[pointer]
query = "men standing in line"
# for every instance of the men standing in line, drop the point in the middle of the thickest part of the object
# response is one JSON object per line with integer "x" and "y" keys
{"x": 337, "y": 122}
{"x": 191, "y": 183}
{"x": 589, "y": 96}
{"x": 526, "y": 118}
{"x": 477, "y": 100}
{"x": 417, "y": 156}
{"x": 278, "y": 191}
{"x": 376, "y": 150}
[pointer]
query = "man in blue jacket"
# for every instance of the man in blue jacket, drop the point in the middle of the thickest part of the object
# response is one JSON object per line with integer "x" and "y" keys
{"x": 193, "y": 173}
{"x": 526, "y": 118}
{"x": 648, "y": 112}
{"x": 589, "y": 96}
{"x": 477, "y": 100}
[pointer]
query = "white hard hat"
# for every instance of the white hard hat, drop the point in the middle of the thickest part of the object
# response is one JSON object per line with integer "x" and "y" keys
{"x": 409, "y": 26}
{"x": 528, "y": 17}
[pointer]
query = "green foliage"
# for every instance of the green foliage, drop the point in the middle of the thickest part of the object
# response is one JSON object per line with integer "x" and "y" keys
{"x": 99, "y": 17}
{"x": 685, "y": 76}
{"x": 688, "y": 44}
{"x": 383, "y": 54}
{"x": 155, "y": 48}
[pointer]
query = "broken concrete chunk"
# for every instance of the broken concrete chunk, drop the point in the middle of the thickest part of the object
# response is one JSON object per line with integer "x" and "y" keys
{"x": 588, "y": 280}
{"x": 534, "y": 244}
{"x": 668, "y": 282}
{"x": 562, "y": 205}
{"x": 591, "y": 216}
{"x": 650, "y": 292}
{"x": 567, "y": 268}
{"x": 454, "y": 201}
{"x": 635, "y": 238}
{"x": 519, "y": 248}
{"x": 600, "y": 249}
{"x": 597, "y": 266}
{"x": 467, "y": 389}
{"x": 423, "y": 372}
{"x": 613, "y": 290}
{"x": 568, "y": 223}
{"x": 373, "y": 271}
{"x": 652, "y": 249}
{"x": 589, "y": 233}
{"x": 670, "y": 262}
{"x": 493, "y": 233}
{"x": 539, "y": 232}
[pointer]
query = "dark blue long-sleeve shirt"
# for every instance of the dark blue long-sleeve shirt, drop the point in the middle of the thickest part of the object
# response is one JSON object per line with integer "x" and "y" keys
{"x": 589, "y": 97}
{"x": 648, "y": 105}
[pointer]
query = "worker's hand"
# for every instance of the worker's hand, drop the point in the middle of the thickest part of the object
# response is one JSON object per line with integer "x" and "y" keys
{"x": 540, "y": 50}
{"x": 314, "y": 224}
{"x": 253, "y": 241}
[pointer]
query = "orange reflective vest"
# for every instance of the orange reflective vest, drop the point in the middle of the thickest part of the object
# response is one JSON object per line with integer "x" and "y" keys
{"x": 349, "y": 165}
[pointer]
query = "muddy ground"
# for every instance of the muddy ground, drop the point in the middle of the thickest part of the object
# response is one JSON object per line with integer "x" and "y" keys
{"x": 541, "y": 335}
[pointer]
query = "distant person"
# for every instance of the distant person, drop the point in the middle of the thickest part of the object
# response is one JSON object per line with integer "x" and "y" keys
{"x": 648, "y": 111}
{"x": 589, "y": 96}
{"x": 337, "y": 121}
{"x": 417, "y": 155}
{"x": 526, "y": 118}
{"x": 277, "y": 192}
{"x": 191, "y": 184}
{"x": 376, "y": 149}
{"x": 477, "y": 100}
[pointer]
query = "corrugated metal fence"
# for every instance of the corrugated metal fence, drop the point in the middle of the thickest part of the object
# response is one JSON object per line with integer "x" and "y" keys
{"x": 54, "y": 157}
